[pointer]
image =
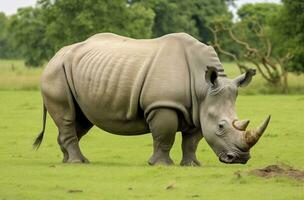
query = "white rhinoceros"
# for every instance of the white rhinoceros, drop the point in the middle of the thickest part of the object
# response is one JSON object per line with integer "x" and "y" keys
{"x": 131, "y": 87}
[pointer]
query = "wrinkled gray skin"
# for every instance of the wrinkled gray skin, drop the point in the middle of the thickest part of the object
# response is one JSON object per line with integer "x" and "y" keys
{"x": 132, "y": 87}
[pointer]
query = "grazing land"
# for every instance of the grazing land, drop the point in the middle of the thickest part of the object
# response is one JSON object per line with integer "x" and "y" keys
{"x": 119, "y": 168}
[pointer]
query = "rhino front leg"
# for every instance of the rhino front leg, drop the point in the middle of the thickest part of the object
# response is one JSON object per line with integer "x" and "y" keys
{"x": 163, "y": 124}
{"x": 190, "y": 141}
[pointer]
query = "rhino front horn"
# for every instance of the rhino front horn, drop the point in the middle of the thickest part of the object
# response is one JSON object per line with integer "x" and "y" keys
{"x": 252, "y": 136}
{"x": 241, "y": 124}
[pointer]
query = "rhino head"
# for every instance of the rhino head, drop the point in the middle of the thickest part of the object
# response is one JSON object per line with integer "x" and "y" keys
{"x": 224, "y": 132}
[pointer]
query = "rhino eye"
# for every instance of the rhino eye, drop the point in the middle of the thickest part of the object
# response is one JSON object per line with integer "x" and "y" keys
{"x": 221, "y": 125}
{"x": 221, "y": 128}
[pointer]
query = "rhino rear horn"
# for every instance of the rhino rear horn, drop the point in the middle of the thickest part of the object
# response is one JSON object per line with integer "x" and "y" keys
{"x": 241, "y": 124}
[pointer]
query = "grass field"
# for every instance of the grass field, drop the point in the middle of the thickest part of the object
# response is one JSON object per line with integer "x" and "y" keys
{"x": 119, "y": 168}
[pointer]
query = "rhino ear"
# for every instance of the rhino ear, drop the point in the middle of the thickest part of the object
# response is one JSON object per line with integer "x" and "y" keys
{"x": 211, "y": 76}
{"x": 244, "y": 79}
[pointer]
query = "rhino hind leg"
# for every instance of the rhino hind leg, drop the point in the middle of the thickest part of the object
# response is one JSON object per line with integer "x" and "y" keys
{"x": 62, "y": 108}
{"x": 82, "y": 126}
{"x": 163, "y": 124}
{"x": 67, "y": 137}
{"x": 64, "y": 151}
{"x": 190, "y": 142}
{"x": 70, "y": 131}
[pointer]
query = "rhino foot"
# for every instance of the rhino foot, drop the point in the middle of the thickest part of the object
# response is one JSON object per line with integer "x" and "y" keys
{"x": 156, "y": 160}
{"x": 77, "y": 160}
{"x": 190, "y": 162}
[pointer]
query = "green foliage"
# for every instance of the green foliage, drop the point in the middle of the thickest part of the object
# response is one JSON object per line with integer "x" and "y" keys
{"x": 253, "y": 18}
{"x": 37, "y": 33}
{"x": 70, "y": 21}
{"x": 261, "y": 12}
{"x": 290, "y": 32}
{"x": 28, "y": 29}
{"x": 297, "y": 62}
{"x": 141, "y": 21}
{"x": 186, "y": 16}
{"x": 207, "y": 10}
{"x": 169, "y": 17}
{"x": 7, "y": 49}
{"x": 3, "y": 41}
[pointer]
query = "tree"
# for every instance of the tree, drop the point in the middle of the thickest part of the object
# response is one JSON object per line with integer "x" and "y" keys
{"x": 28, "y": 30}
{"x": 205, "y": 11}
{"x": 252, "y": 35}
{"x": 190, "y": 16}
{"x": 169, "y": 17}
{"x": 3, "y": 41}
{"x": 39, "y": 32}
{"x": 71, "y": 21}
{"x": 7, "y": 49}
{"x": 289, "y": 27}
{"x": 261, "y": 12}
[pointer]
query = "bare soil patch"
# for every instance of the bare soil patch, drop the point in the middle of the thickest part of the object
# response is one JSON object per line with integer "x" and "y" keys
{"x": 277, "y": 171}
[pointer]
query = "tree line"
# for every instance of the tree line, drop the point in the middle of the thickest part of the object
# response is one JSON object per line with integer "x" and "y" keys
{"x": 35, "y": 34}
{"x": 265, "y": 34}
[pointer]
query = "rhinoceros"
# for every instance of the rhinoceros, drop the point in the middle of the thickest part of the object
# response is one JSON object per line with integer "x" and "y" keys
{"x": 136, "y": 86}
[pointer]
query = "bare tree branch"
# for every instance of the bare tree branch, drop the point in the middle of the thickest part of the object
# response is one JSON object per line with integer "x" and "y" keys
{"x": 245, "y": 44}
{"x": 227, "y": 53}
{"x": 271, "y": 69}
{"x": 261, "y": 71}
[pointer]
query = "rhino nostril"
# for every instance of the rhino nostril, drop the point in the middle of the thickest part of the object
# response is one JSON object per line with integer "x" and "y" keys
{"x": 230, "y": 156}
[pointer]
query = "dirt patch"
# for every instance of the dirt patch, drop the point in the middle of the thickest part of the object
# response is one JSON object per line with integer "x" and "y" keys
{"x": 278, "y": 170}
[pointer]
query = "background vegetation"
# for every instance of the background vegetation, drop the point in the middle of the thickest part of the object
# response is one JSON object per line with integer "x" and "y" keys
{"x": 266, "y": 35}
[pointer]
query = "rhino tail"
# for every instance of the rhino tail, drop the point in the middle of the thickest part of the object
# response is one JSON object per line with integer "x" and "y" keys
{"x": 39, "y": 138}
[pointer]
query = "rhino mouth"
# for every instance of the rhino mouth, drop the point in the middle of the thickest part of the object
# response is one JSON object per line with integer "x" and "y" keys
{"x": 234, "y": 158}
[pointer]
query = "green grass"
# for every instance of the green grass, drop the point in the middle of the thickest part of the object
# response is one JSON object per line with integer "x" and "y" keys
{"x": 15, "y": 76}
{"x": 119, "y": 168}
